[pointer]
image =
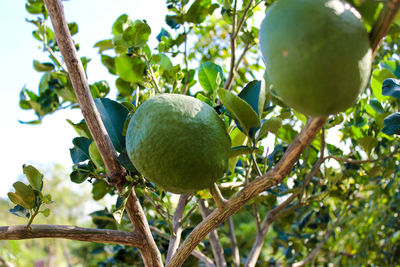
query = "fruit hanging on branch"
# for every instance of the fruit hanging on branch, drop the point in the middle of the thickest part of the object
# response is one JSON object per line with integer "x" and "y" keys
{"x": 317, "y": 54}
{"x": 178, "y": 142}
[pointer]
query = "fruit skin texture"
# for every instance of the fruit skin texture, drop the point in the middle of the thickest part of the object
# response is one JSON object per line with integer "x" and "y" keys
{"x": 178, "y": 142}
{"x": 317, "y": 54}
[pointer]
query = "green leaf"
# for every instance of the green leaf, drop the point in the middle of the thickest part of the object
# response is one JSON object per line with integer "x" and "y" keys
{"x": 46, "y": 212}
{"x": 113, "y": 115}
{"x": 254, "y": 94}
{"x": 43, "y": 67}
{"x": 104, "y": 45}
{"x": 121, "y": 24}
{"x": 80, "y": 151}
{"x": 100, "y": 189}
{"x": 73, "y": 28}
{"x": 376, "y": 105}
{"x": 391, "y": 87}
{"x": 239, "y": 110}
{"x": 131, "y": 69}
{"x": 81, "y": 128}
{"x": 34, "y": 177}
{"x": 137, "y": 34}
{"x": 23, "y": 195}
{"x": 119, "y": 209}
{"x": 392, "y": 124}
{"x": 238, "y": 139}
{"x": 239, "y": 150}
{"x": 19, "y": 211}
{"x": 79, "y": 176}
{"x": 95, "y": 155}
{"x": 109, "y": 62}
{"x": 368, "y": 143}
{"x": 124, "y": 160}
{"x": 124, "y": 88}
{"x": 271, "y": 125}
{"x": 99, "y": 89}
{"x": 377, "y": 78}
{"x": 210, "y": 76}
{"x": 199, "y": 10}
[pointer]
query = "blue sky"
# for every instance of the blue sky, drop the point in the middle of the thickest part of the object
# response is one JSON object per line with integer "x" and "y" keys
{"x": 49, "y": 142}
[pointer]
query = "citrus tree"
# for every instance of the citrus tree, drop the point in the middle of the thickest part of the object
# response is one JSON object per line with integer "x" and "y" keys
{"x": 297, "y": 189}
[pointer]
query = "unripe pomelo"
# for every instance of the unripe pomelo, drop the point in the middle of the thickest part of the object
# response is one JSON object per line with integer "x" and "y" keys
{"x": 178, "y": 142}
{"x": 317, "y": 54}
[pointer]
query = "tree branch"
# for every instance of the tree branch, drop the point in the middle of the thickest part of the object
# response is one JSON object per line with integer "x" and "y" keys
{"x": 383, "y": 23}
{"x": 150, "y": 253}
{"x": 276, "y": 212}
{"x": 177, "y": 226}
{"x": 196, "y": 252}
{"x": 217, "y": 196}
{"x": 216, "y": 247}
{"x": 19, "y": 232}
{"x": 234, "y": 244}
{"x": 260, "y": 184}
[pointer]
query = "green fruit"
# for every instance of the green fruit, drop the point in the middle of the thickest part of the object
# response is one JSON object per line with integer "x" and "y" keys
{"x": 178, "y": 142}
{"x": 317, "y": 54}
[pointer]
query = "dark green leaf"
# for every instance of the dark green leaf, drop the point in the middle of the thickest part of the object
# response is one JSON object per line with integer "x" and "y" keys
{"x": 376, "y": 105}
{"x": 19, "y": 211}
{"x": 162, "y": 33}
{"x": 239, "y": 110}
{"x": 34, "y": 177}
{"x": 80, "y": 151}
{"x": 254, "y": 94}
{"x": 137, "y": 34}
{"x": 79, "y": 176}
{"x": 391, "y": 87}
{"x": 113, "y": 115}
{"x": 210, "y": 76}
{"x": 392, "y": 124}
{"x": 124, "y": 160}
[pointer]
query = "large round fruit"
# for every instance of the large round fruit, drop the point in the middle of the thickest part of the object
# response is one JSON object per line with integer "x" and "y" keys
{"x": 317, "y": 54}
{"x": 178, "y": 142}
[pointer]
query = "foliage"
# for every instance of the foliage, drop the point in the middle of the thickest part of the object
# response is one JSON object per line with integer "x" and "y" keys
{"x": 354, "y": 195}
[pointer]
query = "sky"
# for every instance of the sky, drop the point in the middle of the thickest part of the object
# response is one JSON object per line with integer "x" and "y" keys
{"x": 49, "y": 142}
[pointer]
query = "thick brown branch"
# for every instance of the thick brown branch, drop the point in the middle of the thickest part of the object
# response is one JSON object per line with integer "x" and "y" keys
{"x": 150, "y": 253}
{"x": 196, "y": 252}
{"x": 276, "y": 212}
{"x": 82, "y": 91}
{"x": 260, "y": 184}
{"x": 216, "y": 247}
{"x": 19, "y": 232}
{"x": 383, "y": 23}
